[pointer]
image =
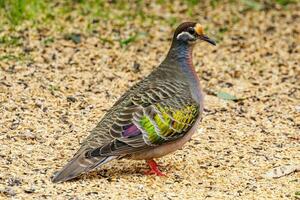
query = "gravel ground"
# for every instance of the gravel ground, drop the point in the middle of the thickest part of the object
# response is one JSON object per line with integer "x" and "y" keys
{"x": 58, "y": 83}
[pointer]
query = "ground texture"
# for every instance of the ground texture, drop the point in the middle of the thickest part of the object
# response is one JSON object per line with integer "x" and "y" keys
{"x": 58, "y": 79}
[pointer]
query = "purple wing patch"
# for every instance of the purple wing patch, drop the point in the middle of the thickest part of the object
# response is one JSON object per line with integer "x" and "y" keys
{"x": 131, "y": 130}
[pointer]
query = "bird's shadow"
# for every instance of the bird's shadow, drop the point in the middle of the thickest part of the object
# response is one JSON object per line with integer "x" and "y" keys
{"x": 111, "y": 172}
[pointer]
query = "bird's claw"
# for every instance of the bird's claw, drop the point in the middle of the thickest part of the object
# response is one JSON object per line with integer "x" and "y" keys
{"x": 153, "y": 169}
{"x": 154, "y": 172}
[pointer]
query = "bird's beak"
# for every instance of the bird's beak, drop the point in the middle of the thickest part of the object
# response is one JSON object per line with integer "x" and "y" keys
{"x": 207, "y": 39}
{"x": 199, "y": 30}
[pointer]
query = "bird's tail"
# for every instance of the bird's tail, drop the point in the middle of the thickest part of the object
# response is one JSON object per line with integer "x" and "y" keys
{"x": 78, "y": 165}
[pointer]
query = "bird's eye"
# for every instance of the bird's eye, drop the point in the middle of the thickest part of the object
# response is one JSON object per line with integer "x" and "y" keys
{"x": 191, "y": 30}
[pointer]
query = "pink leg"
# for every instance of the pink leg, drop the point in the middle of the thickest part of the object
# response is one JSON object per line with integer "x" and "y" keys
{"x": 153, "y": 168}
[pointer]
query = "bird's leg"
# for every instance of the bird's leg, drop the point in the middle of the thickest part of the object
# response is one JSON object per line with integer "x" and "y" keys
{"x": 153, "y": 168}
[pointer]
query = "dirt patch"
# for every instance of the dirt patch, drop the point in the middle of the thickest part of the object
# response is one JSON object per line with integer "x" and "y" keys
{"x": 55, "y": 86}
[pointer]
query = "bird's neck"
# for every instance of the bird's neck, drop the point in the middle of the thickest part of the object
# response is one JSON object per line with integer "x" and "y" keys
{"x": 182, "y": 53}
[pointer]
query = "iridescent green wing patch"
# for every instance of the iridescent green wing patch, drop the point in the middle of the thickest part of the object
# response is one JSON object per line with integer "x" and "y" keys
{"x": 149, "y": 128}
{"x": 168, "y": 123}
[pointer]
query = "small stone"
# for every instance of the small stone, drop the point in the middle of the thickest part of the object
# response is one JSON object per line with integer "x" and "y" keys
{"x": 8, "y": 192}
{"x": 136, "y": 67}
{"x": 38, "y": 103}
{"x": 15, "y": 123}
{"x": 14, "y": 181}
{"x": 140, "y": 187}
{"x": 297, "y": 108}
{"x": 28, "y": 135}
{"x": 280, "y": 171}
{"x": 29, "y": 190}
{"x": 71, "y": 99}
{"x": 27, "y": 49}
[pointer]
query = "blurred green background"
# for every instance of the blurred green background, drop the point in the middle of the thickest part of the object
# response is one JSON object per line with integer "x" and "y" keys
{"x": 73, "y": 18}
{"x": 15, "y": 12}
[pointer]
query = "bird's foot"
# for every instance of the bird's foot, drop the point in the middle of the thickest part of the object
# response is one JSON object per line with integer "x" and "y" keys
{"x": 153, "y": 169}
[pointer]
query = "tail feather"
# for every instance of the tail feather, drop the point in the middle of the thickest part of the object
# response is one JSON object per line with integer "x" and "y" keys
{"x": 78, "y": 165}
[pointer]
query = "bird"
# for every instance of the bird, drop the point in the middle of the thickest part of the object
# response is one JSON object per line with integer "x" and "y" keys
{"x": 155, "y": 117}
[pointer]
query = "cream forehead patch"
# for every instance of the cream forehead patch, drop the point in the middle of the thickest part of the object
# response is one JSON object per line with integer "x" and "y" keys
{"x": 199, "y": 29}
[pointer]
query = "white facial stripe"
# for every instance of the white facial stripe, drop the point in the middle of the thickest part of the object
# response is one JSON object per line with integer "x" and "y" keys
{"x": 185, "y": 36}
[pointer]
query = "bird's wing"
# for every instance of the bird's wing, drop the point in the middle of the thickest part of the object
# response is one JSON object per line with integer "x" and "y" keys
{"x": 156, "y": 114}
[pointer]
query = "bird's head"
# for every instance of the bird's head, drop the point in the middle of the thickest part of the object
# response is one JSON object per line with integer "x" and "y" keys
{"x": 190, "y": 32}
